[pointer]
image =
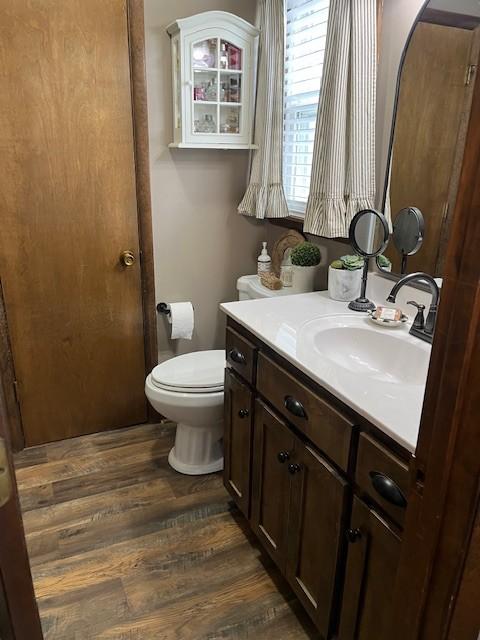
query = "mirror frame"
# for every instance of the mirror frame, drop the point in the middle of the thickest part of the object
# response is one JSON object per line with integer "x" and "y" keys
{"x": 351, "y": 233}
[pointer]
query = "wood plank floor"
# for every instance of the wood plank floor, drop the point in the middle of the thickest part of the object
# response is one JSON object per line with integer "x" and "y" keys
{"x": 123, "y": 547}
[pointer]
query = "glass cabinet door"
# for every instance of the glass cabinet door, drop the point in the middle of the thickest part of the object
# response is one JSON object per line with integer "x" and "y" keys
{"x": 216, "y": 87}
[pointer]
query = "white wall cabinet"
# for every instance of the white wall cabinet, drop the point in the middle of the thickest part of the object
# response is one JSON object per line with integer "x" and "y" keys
{"x": 214, "y": 57}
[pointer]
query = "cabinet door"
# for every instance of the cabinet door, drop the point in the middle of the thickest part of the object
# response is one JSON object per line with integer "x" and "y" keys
{"x": 238, "y": 434}
{"x": 373, "y": 556}
{"x": 316, "y": 534}
{"x": 273, "y": 449}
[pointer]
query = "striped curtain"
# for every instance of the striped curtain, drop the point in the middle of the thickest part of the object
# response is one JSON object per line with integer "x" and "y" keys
{"x": 265, "y": 197}
{"x": 343, "y": 167}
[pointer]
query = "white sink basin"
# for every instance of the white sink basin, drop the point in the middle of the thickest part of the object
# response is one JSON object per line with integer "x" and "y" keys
{"x": 356, "y": 345}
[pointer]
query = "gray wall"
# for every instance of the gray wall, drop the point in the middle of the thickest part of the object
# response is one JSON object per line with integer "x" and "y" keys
{"x": 398, "y": 18}
{"x": 468, "y": 7}
{"x": 201, "y": 244}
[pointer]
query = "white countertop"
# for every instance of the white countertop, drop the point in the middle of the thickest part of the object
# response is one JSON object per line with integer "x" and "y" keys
{"x": 281, "y": 323}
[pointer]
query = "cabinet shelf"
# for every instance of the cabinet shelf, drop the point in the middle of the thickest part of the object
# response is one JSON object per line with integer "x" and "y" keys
{"x": 214, "y": 54}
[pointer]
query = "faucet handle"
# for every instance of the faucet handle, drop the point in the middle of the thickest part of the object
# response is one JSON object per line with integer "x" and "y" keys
{"x": 419, "y": 321}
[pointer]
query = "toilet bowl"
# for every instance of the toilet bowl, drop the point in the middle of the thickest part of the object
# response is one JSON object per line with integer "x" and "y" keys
{"x": 188, "y": 390}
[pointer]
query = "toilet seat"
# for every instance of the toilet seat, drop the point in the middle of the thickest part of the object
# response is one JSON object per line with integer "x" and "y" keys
{"x": 196, "y": 372}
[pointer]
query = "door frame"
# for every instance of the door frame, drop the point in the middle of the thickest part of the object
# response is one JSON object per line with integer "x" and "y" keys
{"x": 18, "y": 606}
{"x": 138, "y": 82}
{"x": 437, "y": 557}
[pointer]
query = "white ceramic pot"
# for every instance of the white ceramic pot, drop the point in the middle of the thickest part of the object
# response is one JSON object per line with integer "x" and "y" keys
{"x": 303, "y": 279}
{"x": 344, "y": 285}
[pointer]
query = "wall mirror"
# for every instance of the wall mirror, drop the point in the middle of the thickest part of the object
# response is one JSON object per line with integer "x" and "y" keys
{"x": 433, "y": 101}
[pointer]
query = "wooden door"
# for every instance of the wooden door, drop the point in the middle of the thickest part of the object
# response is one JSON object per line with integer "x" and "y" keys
{"x": 433, "y": 102}
{"x": 19, "y": 618}
{"x": 372, "y": 562}
{"x": 316, "y": 537}
{"x": 67, "y": 211}
{"x": 238, "y": 435}
{"x": 273, "y": 448}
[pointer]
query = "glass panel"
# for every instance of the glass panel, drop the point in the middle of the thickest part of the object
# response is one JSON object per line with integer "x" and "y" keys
{"x": 205, "y": 86}
{"x": 230, "y": 56}
{"x": 229, "y": 119}
{"x": 230, "y": 87}
{"x": 204, "y": 118}
{"x": 205, "y": 54}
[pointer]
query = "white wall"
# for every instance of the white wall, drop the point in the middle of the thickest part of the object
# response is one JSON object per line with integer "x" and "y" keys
{"x": 201, "y": 244}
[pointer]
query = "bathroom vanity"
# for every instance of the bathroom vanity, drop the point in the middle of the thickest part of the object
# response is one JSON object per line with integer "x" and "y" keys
{"x": 321, "y": 479}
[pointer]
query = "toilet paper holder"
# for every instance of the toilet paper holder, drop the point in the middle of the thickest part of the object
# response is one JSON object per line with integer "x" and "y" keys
{"x": 162, "y": 307}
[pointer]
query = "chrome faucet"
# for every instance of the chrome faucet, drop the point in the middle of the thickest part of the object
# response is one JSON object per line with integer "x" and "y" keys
{"x": 421, "y": 328}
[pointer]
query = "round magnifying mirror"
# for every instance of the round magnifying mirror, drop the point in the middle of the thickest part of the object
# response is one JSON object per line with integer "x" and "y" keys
{"x": 408, "y": 228}
{"x": 369, "y": 233}
{"x": 408, "y": 234}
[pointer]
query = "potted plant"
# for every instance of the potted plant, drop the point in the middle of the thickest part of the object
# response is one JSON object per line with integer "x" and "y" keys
{"x": 345, "y": 278}
{"x": 305, "y": 259}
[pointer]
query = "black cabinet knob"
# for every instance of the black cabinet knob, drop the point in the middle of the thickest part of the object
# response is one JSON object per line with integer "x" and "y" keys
{"x": 353, "y": 535}
{"x": 388, "y": 489}
{"x": 243, "y": 413}
{"x": 294, "y": 468}
{"x": 283, "y": 456}
{"x": 237, "y": 356}
{"x": 295, "y": 407}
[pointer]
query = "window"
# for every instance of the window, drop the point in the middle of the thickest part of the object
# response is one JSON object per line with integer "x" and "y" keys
{"x": 306, "y": 31}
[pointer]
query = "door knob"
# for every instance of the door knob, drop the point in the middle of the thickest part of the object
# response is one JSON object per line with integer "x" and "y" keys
{"x": 5, "y": 481}
{"x": 127, "y": 258}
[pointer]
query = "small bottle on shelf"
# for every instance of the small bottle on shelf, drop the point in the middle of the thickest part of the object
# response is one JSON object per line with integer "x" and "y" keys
{"x": 210, "y": 126}
{"x": 234, "y": 58}
{"x": 223, "y": 56}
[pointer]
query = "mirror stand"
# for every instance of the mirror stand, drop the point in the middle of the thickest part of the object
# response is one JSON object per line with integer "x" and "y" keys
{"x": 362, "y": 303}
{"x": 368, "y": 235}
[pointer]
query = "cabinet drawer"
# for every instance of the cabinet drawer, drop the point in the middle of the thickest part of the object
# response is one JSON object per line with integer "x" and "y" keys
{"x": 241, "y": 355}
{"x": 383, "y": 476}
{"x": 328, "y": 429}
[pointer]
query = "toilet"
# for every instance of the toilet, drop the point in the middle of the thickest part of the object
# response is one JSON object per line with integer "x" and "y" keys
{"x": 188, "y": 390}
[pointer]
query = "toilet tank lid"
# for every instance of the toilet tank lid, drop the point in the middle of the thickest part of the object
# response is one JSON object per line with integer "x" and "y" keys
{"x": 199, "y": 369}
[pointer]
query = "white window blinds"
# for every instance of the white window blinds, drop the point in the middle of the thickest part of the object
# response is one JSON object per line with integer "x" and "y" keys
{"x": 306, "y": 30}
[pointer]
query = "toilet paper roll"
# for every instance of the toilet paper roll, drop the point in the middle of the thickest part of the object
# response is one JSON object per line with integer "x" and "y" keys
{"x": 181, "y": 319}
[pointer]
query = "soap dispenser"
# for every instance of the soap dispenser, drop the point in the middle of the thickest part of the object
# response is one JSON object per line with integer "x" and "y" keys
{"x": 264, "y": 264}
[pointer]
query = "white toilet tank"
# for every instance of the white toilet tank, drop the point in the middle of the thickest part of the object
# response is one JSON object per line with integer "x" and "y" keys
{"x": 250, "y": 287}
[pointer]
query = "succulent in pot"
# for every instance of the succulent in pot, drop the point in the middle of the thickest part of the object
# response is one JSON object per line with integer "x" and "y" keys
{"x": 305, "y": 259}
{"x": 345, "y": 278}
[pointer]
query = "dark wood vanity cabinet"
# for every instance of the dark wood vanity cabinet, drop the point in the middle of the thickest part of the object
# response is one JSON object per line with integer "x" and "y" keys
{"x": 373, "y": 554}
{"x": 325, "y": 498}
{"x": 298, "y": 509}
{"x": 237, "y": 440}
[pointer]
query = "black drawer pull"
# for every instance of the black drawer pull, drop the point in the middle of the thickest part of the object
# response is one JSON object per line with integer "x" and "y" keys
{"x": 283, "y": 456}
{"x": 237, "y": 356}
{"x": 295, "y": 407}
{"x": 388, "y": 489}
{"x": 294, "y": 468}
{"x": 243, "y": 413}
{"x": 353, "y": 535}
